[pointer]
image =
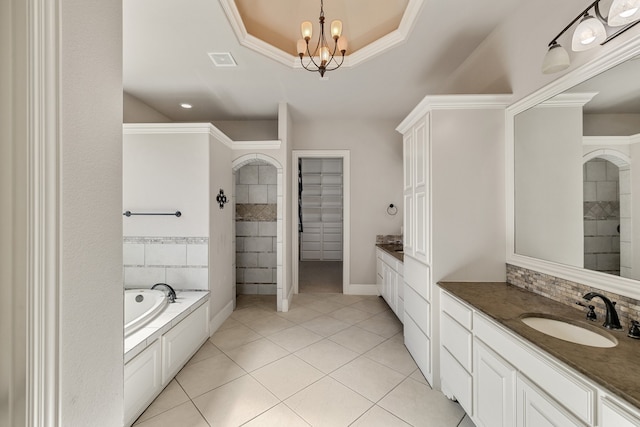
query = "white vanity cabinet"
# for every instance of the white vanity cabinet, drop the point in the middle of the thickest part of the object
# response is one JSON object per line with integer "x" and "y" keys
{"x": 390, "y": 281}
{"x": 495, "y": 384}
{"x": 538, "y": 409}
{"x": 456, "y": 351}
{"x": 512, "y": 382}
{"x": 453, "y": 185}
{"x": 614, "y": 413}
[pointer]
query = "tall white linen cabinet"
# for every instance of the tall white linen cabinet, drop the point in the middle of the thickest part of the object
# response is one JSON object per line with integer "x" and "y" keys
{"x": 454, "y": 208}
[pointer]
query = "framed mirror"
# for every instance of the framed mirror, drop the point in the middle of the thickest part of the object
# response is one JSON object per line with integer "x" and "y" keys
{"x": 573, "y": 175}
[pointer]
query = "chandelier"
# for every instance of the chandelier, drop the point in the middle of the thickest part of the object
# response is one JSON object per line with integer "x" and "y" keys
{"x": 322, "y": 58}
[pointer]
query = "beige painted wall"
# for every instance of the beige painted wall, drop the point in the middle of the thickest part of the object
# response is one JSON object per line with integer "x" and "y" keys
{"x": 376, "y": 181}
{"x": 165, "y": 173}
{"x": 136, "y": 111}
{"x": 91, "y": 308}
{"x": 13, "y": 229}
{"x": 221, "y": 228}
{"x": 509, "y": 60}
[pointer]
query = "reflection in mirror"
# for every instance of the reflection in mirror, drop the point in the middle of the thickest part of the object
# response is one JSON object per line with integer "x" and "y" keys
{"x": 577, "y": 188}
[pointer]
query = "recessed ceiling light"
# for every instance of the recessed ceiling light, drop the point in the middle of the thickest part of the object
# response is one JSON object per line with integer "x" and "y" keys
{"x": 186, "y": 106}
{"x": 222, "y": 59}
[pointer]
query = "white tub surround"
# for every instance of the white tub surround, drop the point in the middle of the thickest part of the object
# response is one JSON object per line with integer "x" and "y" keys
{"x": 180, "y": 261}
{"x": 141, "y": 306}
{"x": 186, "y": 302}
{"x": 155, "y": 353}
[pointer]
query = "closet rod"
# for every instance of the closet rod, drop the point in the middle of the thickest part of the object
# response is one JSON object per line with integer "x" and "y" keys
{"x": 129, "y": 213}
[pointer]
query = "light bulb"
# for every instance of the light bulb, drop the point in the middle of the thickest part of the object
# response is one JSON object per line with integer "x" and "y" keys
{"x": 324, "y": 55}
{"x": 306, "y": 29}
{"x": 556, "y": 59}
{"x": 336, "y": 29}
{"x": 342, "y": 44}
{"x": 623, "y": 12}
{"x": 589, "y": 33}
{"x": 301, "y": 47}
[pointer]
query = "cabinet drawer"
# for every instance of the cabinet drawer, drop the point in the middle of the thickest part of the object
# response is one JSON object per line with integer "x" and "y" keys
{"x": 457, "y": 310}
{"x": 419, "y": 309}
{"x": 457, "y": 340}
{"x": 419, "y": 345}
{"x": 456, "y": 381}
{"x": 556, "y": 380}
{"x": 418, "y": 277}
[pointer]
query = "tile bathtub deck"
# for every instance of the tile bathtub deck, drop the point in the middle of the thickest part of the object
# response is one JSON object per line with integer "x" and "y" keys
{"x": 332, "y": 360}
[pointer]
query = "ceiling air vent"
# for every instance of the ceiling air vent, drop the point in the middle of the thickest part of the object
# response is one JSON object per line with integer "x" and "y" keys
{"x": 222, "y": 59}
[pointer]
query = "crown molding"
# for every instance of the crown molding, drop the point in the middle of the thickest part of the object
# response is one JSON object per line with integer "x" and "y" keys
{"x": 256, "y": 145}
{"x": 366, "y": 53}
{"x": 454, "y": 102}
{"x": 578, "y": 99}
{"x": 176, "y": 128}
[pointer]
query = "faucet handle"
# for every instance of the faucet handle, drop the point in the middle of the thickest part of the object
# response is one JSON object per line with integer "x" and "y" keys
{"x": 634, "y": 330}
{"x": 591, "y": 314}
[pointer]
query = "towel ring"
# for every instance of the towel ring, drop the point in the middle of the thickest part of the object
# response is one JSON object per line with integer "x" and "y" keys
{"x": 392, "y": 209}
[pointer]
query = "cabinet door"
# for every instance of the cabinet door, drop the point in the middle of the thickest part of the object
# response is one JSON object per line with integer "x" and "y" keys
{"x": 613, "y": 415}
{"x": 408, "y": 192}
{"x": 421, "y": 208}
{"x": 494, "y": 394}
{"x": 183, "y": 340}
{"x": 142, "y": 381}
{"x": 536, "y": 409}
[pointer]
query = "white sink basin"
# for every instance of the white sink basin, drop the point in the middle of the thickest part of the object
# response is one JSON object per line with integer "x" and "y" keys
{"x": 568, "y": 331}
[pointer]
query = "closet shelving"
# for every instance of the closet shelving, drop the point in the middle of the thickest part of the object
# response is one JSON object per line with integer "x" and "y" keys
{"x": 321, "y": 204}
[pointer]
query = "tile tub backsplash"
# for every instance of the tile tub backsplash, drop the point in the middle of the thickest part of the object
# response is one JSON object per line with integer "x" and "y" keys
{"x": 182, "y": 262}
{"x": 568, "y": 292}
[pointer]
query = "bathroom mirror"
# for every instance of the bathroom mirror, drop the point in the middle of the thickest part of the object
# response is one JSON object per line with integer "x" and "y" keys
{"x": 575, "y": 210}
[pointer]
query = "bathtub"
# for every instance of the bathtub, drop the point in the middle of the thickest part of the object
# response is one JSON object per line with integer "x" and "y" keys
{"x": 141, "y": 306}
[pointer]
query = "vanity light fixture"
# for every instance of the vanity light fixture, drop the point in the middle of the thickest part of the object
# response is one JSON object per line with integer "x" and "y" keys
{"x": 323, "y": 54}
{"x": 592, "y": 31}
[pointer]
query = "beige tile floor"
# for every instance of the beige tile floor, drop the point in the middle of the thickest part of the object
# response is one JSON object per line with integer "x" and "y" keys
{"x": 332, "y": 360}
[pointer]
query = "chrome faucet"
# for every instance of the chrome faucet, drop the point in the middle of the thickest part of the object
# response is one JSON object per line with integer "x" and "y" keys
{"x": 170, "y": 292}
{"x": 611, "y": 320}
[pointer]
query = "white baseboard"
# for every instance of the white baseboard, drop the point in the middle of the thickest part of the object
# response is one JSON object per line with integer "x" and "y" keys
{"x": 286, "y": 303}
{"x": 219, "y": 318}
{"x": 356, "y": 289}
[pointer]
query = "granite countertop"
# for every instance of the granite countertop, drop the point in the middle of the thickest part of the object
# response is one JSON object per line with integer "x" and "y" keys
{"x": 615, "y": 368}
{"x": 393, "y": 249}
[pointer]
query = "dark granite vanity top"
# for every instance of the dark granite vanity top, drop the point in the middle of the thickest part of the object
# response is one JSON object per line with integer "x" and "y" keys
{"x": 393, "y": 249}
{"x": 616, "y": 369}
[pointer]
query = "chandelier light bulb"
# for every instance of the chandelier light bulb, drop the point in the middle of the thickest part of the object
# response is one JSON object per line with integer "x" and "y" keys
{"x": 336, "y": 29}
{"x": 301, "y": 47}
{"x": 324, "y": 55}
{"x": 342, "y": 44}
{"x": 306, "y": 28}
